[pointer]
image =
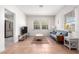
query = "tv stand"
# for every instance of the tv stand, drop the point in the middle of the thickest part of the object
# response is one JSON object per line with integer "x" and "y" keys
{"x": 23, "y": 37}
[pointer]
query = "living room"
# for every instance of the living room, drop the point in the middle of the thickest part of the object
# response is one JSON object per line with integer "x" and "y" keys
{"x": 40, "y": 20}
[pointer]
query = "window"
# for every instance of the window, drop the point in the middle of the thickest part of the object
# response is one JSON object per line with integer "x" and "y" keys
{"x": 44, "y": 25}
{"x": 40, "y": 25}
{"x": 36, "y": 25}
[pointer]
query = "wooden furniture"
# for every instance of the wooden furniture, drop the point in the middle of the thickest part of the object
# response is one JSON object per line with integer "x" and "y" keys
{"x": 60, "y": 38}
{"x": 71, "y": 43}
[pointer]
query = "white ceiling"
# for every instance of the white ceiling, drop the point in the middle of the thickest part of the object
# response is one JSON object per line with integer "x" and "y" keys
{"x": 37, "y": 10}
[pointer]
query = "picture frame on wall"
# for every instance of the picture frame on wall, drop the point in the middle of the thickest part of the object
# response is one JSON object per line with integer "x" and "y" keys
{"x": 8, "y": 29}
{"x": 70, "y": 21}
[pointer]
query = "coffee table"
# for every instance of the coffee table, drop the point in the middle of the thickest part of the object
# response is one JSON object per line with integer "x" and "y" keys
{"x": 39, "y": 36}
{"x": 39, "y": 39}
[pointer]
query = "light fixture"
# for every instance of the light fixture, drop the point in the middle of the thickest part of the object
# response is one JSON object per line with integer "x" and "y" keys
{"x": 41, "y": 6}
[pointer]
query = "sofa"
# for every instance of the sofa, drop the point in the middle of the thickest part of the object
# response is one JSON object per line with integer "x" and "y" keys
{"x": 55, "y": 33}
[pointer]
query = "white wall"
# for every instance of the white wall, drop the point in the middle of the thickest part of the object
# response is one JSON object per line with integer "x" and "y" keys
{"x": 77, "y": 20}
{"x": 31, "y": 19}
{"x": 2, "y": 43}
{"x": 18, "y": 22}
{"x": 77, "y": 23}
{"x": 60, "y": 17}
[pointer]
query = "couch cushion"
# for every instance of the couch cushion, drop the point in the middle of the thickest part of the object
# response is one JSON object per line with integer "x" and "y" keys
{"x": 54, "y": 32}
{"x": 65, "y": 33}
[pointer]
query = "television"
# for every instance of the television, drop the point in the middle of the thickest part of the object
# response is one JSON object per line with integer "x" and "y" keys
{"x": 23, "y": 30}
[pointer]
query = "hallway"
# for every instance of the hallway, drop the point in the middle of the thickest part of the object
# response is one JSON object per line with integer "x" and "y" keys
{"x": 48, "y": 46}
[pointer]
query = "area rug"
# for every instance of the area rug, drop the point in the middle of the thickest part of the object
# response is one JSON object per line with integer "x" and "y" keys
{"x": 39, "y": 41}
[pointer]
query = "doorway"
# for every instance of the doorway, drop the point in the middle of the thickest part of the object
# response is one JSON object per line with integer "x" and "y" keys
{"x": 9, "y": 22}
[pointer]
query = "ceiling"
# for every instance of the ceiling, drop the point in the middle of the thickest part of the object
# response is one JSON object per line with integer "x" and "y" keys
{"x": 40, "y": 9}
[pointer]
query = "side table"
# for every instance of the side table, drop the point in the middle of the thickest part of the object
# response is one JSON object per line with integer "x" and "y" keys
{"x": 60, "y": 38}
{"x": 71, "y": 43}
